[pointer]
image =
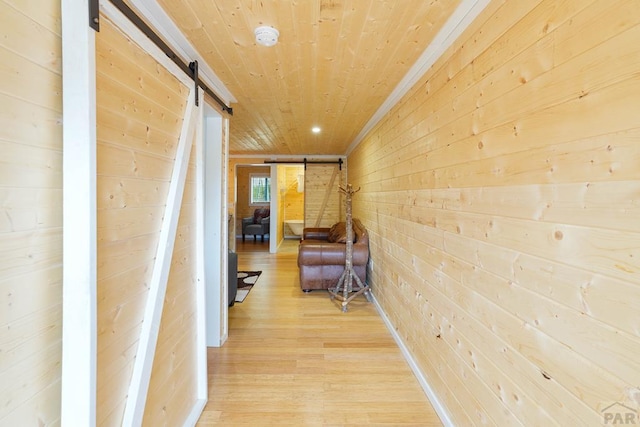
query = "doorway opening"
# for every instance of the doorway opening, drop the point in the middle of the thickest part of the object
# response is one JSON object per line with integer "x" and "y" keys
{"x": 254, "y": 199}
{"x": 291, "y": 183}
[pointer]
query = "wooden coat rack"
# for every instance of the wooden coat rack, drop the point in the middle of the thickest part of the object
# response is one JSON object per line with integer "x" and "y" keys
{"x": 346, "y": 290}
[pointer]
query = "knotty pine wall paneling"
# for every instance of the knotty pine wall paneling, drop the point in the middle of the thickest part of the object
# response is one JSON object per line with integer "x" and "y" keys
{"x": 140, "y": 109}
{"x": 30, "y": 213}
{"x": 173, "y": 385}
{"x": 502, "y": 195}
{"x": 323, "y": 203}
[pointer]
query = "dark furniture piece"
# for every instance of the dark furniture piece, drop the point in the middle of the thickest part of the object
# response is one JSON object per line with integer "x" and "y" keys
{"x": 232, "y": 275}
{"x": 256, "y": 225}
{"x": 322, "y": 254}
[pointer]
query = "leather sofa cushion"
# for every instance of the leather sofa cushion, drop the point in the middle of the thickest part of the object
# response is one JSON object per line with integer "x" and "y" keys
{"x": 338, "y": 233}
{"x": 317, "y": 252}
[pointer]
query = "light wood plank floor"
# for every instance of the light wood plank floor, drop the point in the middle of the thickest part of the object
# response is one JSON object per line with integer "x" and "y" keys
{"x": 295, "y": 359}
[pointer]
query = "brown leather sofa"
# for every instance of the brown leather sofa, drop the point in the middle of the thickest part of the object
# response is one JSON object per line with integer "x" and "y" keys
{"x": 322, "y": 253}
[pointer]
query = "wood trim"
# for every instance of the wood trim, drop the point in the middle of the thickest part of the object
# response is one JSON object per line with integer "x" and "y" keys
{"x": 201, "y": 321}
{"x": 141, "y": 376}
{"x": 79, "y": 330}
{"x": 215, "y": 242}
{"x": 196, "y": 411}
{"x": 273, "y": 225}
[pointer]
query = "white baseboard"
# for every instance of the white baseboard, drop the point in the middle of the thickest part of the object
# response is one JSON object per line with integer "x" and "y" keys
{"x": 435, "y": 402}
{"x": 193, "y": 417}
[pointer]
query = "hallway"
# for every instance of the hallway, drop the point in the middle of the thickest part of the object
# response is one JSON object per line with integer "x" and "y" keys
{"x": 296, "y": 359}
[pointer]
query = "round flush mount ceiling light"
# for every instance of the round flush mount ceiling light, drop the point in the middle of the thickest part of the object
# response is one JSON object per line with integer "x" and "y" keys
{"x": 315, "y": 129}
{"x": 266, "y": 36}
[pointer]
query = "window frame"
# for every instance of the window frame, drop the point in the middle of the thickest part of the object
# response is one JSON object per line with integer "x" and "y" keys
{"x": 265, "y": 176}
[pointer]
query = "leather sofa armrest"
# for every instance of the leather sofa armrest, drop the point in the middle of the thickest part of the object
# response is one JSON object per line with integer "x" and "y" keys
{"x": 360, "y": 255}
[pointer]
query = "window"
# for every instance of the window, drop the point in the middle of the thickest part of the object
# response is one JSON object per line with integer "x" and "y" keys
{"x": 260, "y": 189}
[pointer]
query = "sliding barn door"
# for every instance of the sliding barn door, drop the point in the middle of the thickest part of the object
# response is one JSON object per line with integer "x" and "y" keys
{"x": 146, "y": 229}
{"x": 323, "y": 203}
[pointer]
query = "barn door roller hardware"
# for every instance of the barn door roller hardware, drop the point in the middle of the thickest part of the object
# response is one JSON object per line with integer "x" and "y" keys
{"x": 304, "y": 161}
{"x": 191, "y": 69}
{"x": 94, "y": 14}
{"x": 194, "y": 69}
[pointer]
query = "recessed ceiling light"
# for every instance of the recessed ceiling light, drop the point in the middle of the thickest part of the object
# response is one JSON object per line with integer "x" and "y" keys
{"x": 266, "y": 36}
{"x": 315, "y": 129}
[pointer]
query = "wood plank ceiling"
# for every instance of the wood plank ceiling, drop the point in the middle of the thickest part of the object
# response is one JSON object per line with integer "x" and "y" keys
{"x": 335, "y": 63}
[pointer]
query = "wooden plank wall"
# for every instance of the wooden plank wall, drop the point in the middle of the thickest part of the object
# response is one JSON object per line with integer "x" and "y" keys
{"x": 140, "y": 107}
{"x": 503, "y": 200}
{"x": 30, "y": 212}
{"x": 173, "y": 385}
{"x": 323, "y": 203}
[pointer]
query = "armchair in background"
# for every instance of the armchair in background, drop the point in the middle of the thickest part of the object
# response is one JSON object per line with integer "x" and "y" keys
{"x": 256, "y": 225}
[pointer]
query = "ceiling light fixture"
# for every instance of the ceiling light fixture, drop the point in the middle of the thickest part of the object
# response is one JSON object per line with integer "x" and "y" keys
{"x": 315, "y": 129}
{"x": 266, "y": 36}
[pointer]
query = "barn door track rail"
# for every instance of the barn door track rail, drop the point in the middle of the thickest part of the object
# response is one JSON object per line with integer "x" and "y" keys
{"x": 191, "y": 68}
